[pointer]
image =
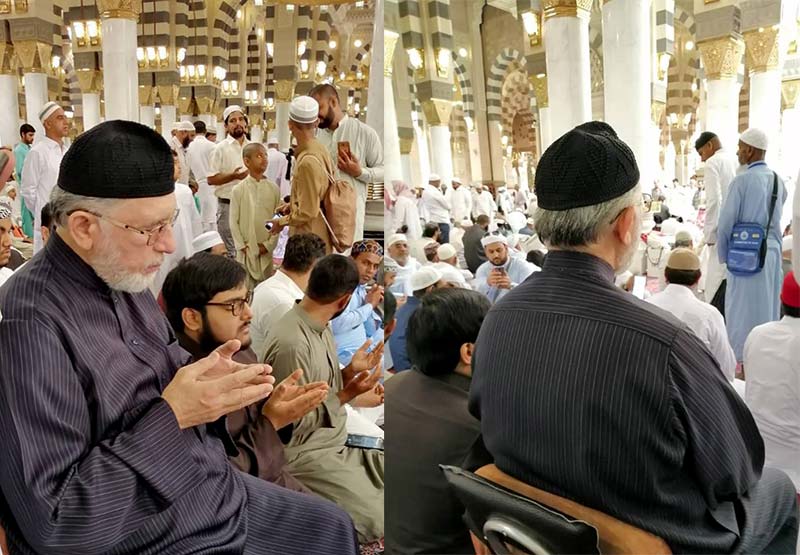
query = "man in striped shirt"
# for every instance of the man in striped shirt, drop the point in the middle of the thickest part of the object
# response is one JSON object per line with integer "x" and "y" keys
{"x": 587, "y": 392}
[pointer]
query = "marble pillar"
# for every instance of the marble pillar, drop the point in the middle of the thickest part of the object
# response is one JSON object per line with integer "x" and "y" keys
{"x": 168, "y": 117}
{"x": 91, "y": 110}
{"x": 569, "y": 85}
{"x": 147, "y": 116}
{"x": 437, "y": 115}
{"x": 209, "y": 120}
{"x": 35, "y": 85}
{"x": 764, "y": 62}
{"x": 790, "y": 128}
{"x": 220, "y": 131}
{"x": 496, "y": 150}
{"x": 721, "y": 58}
{"x": 539, "y": 84}
{"x": 186, "y": 117}
{"x": 282, "y": 124}
{"x": 380, "y": 89}
{"x": 627, "y": 76}
{"x": 407, "y": 175}
{"x": 387, "y": 122}
{"x": 257, "y": 134}
{"x": 120, "y": 68}
{"x": 9, "y": 110}
{"x": 423, "y": 155}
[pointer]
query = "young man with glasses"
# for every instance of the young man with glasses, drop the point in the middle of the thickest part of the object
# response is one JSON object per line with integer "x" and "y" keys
{"x": 208, "y": 304}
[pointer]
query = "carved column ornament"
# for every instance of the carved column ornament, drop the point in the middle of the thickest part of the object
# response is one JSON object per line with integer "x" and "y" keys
{"x": 789, "y": 92}
{"x": 389, "y": 42}
{"x": 721, "y": 57}
{"x": 90, "y": 80}
{"x": 7, "y": 59}
{"x": 168, "y": 94}
{"x": 205, "y": 104}
{"x": 34, "y": 56}
{"x": 120, "y": 9}
{"x": 763, "y": 49}
{"x": 539, "y": 83}
{"x": 437, "y": 111}
{"x": 147, "y": 95}
{"x": 657, "y": 110}
{"x": 406, "y": 145}
{"x": 284, "y": 91}
{"x": 567, "y": 8}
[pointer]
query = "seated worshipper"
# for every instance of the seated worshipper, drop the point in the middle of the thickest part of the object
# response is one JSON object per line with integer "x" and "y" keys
{"x": 683, "y": 239}
{"x": 253, "y": 203}
{"x": 206, "y": 300}
{"x": 430, "y": 234}
{"x": 276, "y": 296}
{"x": 432, "y": 252}
{"x": 406, "y": 265}
{"x": 186, "y": 226}
{"x": 772, "y": 367}
{"x": 528, "y": 229}
{"x": 474, "y": 253}
{"x": 108, "y": 425}
{"x": 317, "y": 454}
{"x": 645, "y": 427}
{"x": 360, "y": 321}
{"x": 313, "y": 170}
{"x": 404, "y": 212}
{"x": 448, "y": 255}
{"x": 387, "y": 273}
{"x": 501, "y": 272}
{"x": 422, "y": 282}
{"x": 428, "y": 410}
{"x": 752, "y": 299}
{"x": 5, "y": 242}
{"x": 678, "y": 298}
{"x": 210, "y": 241}
{"x": 47, "y": 222}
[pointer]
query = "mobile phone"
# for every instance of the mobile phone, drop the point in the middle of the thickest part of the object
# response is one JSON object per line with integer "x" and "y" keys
{"x": 500, "y": 270}
{"x": 343, "y": 146}
{"x": 269, "y": 223}
{"x": 639, "y": 286}
{"x": 364, "y": 442}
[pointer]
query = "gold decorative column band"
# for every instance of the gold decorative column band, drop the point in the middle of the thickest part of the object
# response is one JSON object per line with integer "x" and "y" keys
{"x": 721, "y": 57}
{"x": 789, "y": 92}
{"x": 184, "y": 106}
{"x": 389, "y": 42}
{"x": 567, "y": 8}
{"x": 168, "y": 94}
{"x": 90, "y": 80}
{"x": 33, "y": 55}
{"x": 539, "y": 83}
{"x": 120, "y": 9}
{"x": 657, "y": 111}
{"x": 205, "y": 104}
{"x": 284, "y": 91}
{"x": 437, "y": 111}
{"x": 7, "y": 59}
{"x": 762, "y": 51}
{"x": 147, "y": 95}
{"x": 406, "y": 145}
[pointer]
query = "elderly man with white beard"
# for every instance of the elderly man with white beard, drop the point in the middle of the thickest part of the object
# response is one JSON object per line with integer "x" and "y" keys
{"x": 113, "y": 442}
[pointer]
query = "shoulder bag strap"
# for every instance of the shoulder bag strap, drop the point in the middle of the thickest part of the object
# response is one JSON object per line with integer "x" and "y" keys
{"x": 763, "y": 250}
{"x": 331, "y": 181}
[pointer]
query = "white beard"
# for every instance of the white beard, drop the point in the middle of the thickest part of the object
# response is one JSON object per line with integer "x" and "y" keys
{"x": 107, "y": 265}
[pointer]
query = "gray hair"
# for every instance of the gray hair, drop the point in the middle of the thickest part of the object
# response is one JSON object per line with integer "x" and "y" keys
{"x": 63, "y": 203}
{"x": 581, "y": 226}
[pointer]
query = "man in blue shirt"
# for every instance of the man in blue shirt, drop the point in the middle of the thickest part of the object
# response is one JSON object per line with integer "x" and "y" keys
{"x": 423, "y": 281}
{"x": 752, "y": 300}
{"x": 26, "y": 134}
{"x": 501, "y": 272}
{"x": 359, "y": 321}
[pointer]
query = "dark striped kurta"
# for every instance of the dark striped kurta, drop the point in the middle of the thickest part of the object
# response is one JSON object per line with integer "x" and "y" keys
{"x": 587, "y": 392}
{"x": 93, "y": 460}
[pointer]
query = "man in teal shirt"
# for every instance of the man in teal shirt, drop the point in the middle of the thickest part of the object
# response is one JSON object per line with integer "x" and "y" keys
{"x": 26, "y": 134}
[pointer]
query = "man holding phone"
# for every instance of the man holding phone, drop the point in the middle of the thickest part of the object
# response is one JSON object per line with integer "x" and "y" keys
{"x": 352, "y": 144}
{"x": 501, "y": 272}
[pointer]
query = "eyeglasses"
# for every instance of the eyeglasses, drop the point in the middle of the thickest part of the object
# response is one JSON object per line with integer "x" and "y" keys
{"x": 151, "y": 234}
{"x": 236, "y": 305}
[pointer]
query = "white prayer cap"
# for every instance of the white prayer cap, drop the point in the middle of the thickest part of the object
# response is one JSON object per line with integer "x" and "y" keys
{"x": 229, "y": 110}
{"x": 205, "y": 241}
{"x": 390, "y": 266}
{"x": 5, "y": 208}
{"x": 755, "y": 137}
{"x": 396, "y": 238}
{"x": 530, "y": 221}
{"x": 451, "y": 274}
{"x": 272, "y": 139}
{"x": 434, "y": 177}
{"x": 48, "y": 110}
{"x": 490, "y": 239}
{"x": 304, "y": 109}
{"x": 466, "y": 222}
{"x": 424, "y": 278}
{"x": 456, "y": 180}
{"x": 446, "y": 251}
{"x": 185, "y": 126}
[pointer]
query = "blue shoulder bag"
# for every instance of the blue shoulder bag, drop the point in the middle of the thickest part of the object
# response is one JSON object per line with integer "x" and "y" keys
{"x": 748, "y": 247}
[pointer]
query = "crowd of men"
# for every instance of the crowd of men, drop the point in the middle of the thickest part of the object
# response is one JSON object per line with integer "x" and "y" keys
{"x": 143, "y": 414}
{"x": 529, "y": 335}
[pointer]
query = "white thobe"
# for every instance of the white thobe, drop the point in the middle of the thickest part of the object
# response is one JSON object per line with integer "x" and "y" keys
{"x": 199, "y": 156}
{"x": 39, "y": 176}
{"x": 276, "y": 171}
{"x": 796, "y": 235}
{"x": 772, "y": 367}
{"x": 402, "y": 281}
{"x": 485, "y": 205}
{"x": 272, "y": 299}
{"x": 720, "y": 170}
{"x": 366, "y": 146}
{"x": 252, "y": 204}
{"x": 183, "y": 159}
{"x": 436, "y": 205}
{"x": 405, "y": 213}
{"x": 185, "y": 229}
{"x": 703, "y": 319}
{"x": 461, "y": 203}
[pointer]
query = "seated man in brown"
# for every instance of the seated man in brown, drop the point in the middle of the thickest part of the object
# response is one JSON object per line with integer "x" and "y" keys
{"x": 589, "y": 393}
{"x": 207, "y": 304}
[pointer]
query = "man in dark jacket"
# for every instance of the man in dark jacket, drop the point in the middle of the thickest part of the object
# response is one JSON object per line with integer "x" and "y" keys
{"x": 473, "y": 249}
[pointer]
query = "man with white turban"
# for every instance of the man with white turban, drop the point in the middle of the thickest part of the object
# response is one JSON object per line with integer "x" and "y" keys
{"x": 501, "y": 272}
{"x": 752, "y": 299}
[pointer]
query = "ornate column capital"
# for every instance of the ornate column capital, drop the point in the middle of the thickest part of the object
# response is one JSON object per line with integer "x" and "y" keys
{"x": 721, "y": 57}
{"x": 33, "y": 55}
{"x": 657, "y": 110}
{"x": 7, "y": 59}
{"x": 90, "y": 80}
{"x": 437, "y": 111}
{"x": 567, "y": 8}
{"x": 284, "y": 90}
{"x": 389, "y": 43}
{"x": 147, "y": 95}
{"x": 205, "y": 104}
{"x": 168, "y": 94}
{"x": 120, "y": 9}
{"x": 789, "y": 93}
{"x": 539, "y": 84}
{"x": 763, "y": 49}
{"x": 406, "y": 145}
